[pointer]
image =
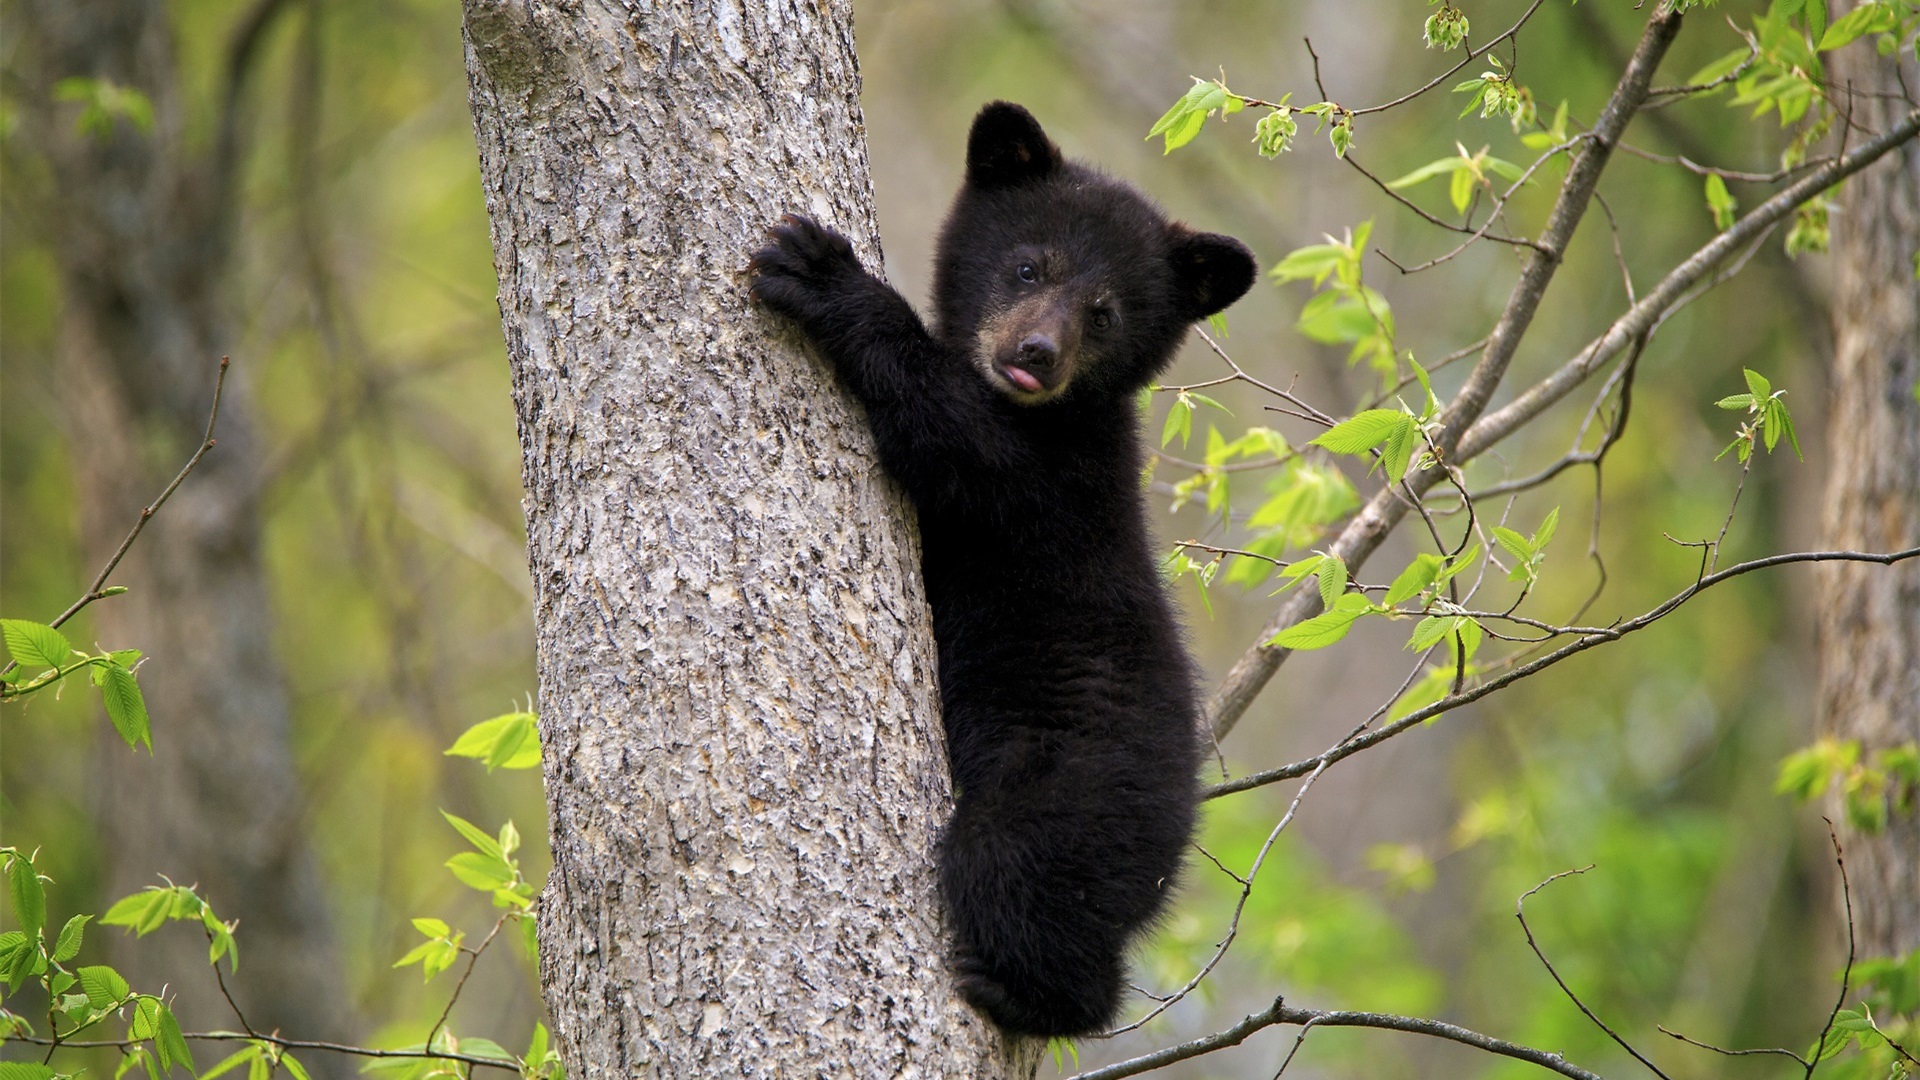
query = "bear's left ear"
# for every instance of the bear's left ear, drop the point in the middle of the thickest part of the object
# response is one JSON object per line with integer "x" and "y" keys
{"x": 1007, "y": 147}
{"x": 1210, "y": 271}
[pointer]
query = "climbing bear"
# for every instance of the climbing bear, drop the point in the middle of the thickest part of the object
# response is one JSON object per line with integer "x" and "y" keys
{"x": 1071, "y": 715}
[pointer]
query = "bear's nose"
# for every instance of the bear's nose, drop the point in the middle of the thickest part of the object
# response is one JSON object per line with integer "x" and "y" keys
{"x": 1038, "y": 350}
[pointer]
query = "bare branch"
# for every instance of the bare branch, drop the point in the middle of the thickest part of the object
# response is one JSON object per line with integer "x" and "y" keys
{"x": 288, "y": 1044}
{"x": 95, "y": 591}
{"x": 1280, "y": 1013}
{"x": 1352, "y": 746}
{"x": 1520, "y": 912}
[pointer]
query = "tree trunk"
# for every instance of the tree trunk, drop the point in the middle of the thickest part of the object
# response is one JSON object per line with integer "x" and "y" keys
{"x": 1870, "y": 615}
{"x": 139, "y": 225}
{"x": 737, "y": 693}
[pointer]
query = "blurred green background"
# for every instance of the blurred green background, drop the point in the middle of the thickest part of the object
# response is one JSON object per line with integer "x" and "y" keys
{"x": 367, "y": 343}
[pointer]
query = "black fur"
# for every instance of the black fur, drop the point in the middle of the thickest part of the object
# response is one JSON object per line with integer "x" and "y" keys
{"x": 1070, "y": 705}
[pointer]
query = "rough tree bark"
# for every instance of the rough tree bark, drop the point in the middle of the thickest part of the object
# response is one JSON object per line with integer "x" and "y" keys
{"x": 742, "y": 754}
{"x": 1870, "y": 615}
{"x": 140, "y": 225}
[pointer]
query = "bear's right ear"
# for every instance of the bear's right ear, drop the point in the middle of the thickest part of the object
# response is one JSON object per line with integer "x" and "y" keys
{"x": 1007, "y": 147}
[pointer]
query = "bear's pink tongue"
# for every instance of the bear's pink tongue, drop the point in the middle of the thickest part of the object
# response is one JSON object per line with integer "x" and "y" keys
{"x": 1023, "y": 379}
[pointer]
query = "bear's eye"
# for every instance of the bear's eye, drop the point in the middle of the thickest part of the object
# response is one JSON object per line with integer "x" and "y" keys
{"x": 1028, "y": 273}
{"x": 1102, "y": 319}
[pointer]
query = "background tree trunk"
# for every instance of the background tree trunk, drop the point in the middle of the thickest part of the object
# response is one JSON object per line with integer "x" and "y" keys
{"x": 738, "y": 711}
{"x": 1870, "y": 615}
{"x": 140, "y": 224}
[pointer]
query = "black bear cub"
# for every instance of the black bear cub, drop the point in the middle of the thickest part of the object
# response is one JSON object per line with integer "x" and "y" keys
{"x": 1071, "y": 714}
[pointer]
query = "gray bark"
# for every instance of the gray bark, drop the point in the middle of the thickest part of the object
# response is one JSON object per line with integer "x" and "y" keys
{"x": 1870, "y": 615}
{"x": 737, "y": 698}
{"x": 140, "y": 226}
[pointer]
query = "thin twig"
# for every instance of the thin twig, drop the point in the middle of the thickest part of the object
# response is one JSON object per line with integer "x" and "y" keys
{"x": 1614, "y": 633}
{"x": 289, "y": 1044}
{"x": 1846, "y": 974}
{"x": 94, "y": 591}
{"x": 1520, "y": 912}
{"x": 473, "y": 957}
{"x": 1281, "y": 1013}
{"x": 1233, "y": 924}
{"x": 1664, "y": 1030}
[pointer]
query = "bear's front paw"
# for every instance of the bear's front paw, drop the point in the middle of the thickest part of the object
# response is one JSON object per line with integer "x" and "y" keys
{"x": 793, "y": 274}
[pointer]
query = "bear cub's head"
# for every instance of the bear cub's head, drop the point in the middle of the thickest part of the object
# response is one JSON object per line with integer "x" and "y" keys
{"x": 1063, "y": 283}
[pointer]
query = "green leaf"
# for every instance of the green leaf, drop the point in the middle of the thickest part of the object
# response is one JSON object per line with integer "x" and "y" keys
{"x": 1332, "y": 577}
{"x": 26, "y": 1070}
{"x": 1315, "y": 261}
{"x": 1460, "y": 191}
{"x": 510, "y": 741}
{"x": 1398, "y": 452}
{"x": 67, "y": 945}
{"x": 1736, "y": 402}
{"x": 103, "y": 986}
{"x": 1430, "y": 170}
{"x": 475, "y": 836}
{"x": 35, "y": 644}
{"x": 1868, "y": 18}
{"x": 1757, "y": 384}
{"x": 486, "y": 1048}
{"x": 125, "y": 707}
{"x": 232, "y": 1061}
{"x": 433, "y": 928}
{"x": 1362, "y": 431}
{"x": 143, "y": 912}
{"x": 1512, "y": 542}
{"x": 537, "y": 1049}
{"x": 172, "y": 1042}
{"x": 1417, "y": 576}
{"x": 482, "y": 872}
{"x": 1324, "y": 629}
{"x": 1179, "y": 421}
{"x": 1341, "y": 136}
{"x": 293, "y": 1067}
{"x": 1429, "y": 632}
{"x": 1777, "y": 415}
{"x": 1720, "y": 202}
{"x": 29, "y": 898}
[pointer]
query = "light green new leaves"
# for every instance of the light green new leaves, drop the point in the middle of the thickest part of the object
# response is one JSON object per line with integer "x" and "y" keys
{"x": 1767, "y": 418}
{"x": 1180, "y": 416}
{"x": 1445, "y": 29}
{"x": 1347, "y": 312}
{"x": 1325, "y": 628}
{"x": 1873, "y": 17}
{"x": 1527, "y": 551}
{"x": 28, "y": 896}
{"x": 510, "y": 741}
{"x": 33, "y": 644}
{"x": 1179, "y": 124}
{"x": 36, "y": 645}
{"x": 1720, "y": 202}
{"x": 438, "y": 952}
{"x": 103, "y": 102}
{"x": 1467, "y": 172}
{"x": 148, "y": 910}
{"x": 1495, "y": 93}
{"x": 1872, "y": 786}
{"x": 1393, "y": 432}
{"x": 1273, "y": 133}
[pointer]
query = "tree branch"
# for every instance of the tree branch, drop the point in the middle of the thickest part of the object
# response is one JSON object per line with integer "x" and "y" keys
{"x": 1364, "y": 534}
{"x": 1351, "y": 746}
{"x": 95, "y": 590}
{"x": 1280, "y": 1013}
